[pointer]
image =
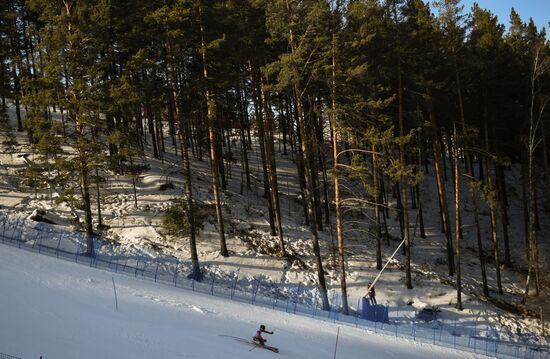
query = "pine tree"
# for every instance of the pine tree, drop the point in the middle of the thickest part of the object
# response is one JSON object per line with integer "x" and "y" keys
{"x": 211, "y": 116}
{"x": 296, "y": 23}
{"x": 486, "y": 43}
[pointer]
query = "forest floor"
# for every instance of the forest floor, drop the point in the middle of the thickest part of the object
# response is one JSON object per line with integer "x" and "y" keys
{"x": 251, "y": 247}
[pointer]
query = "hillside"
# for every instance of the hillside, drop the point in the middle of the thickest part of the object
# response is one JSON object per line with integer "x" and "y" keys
{"x": 252, "y": 250}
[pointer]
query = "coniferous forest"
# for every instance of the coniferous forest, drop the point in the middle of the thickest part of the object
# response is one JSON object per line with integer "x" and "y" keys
{"x": 369, "y": 99}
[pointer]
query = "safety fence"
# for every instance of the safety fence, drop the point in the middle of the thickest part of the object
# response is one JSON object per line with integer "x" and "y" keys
{"x": 290, "y": 297}
{"x": 6, "y": 356}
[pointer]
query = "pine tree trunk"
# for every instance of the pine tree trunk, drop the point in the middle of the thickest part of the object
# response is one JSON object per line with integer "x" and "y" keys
{"x": 283, "y": 124}
{"x": 310, "y": 202}
{"x": 85, "y": 187}
{"x": 160, "y": 136}
{"x": 17, "y": 96}
{"x": 532, "y": 143}
{"x": 377, "y": 204}
{"x": 219, "y": 154}
{"x": 421, "y": 221}
{"x": 313, "y": 162}
{"x": 301, "y": 174}
{"x": 151, "y": 127}
{"x": 306, "y": 151}
{"x": 323, "y": 165}
{"x": 525, "y": 205}
{"x": 457, "y": 229}
{"x": 403, "y": 181}
{"x": 441, "y": 188}
{"x": 337, "y": 199}
{"x": 211, "y": 118}
{"x": 196, "y": 272}
{"x": 473, "y": 192}
{"x": 272, "y": 168}
{"x": 3, "y": 90}
{"x": 443, "y": 157}
{"x": 16, "y": 70}
{"x": 492, "y": 209}
{"x": 336, "y": 174}
{"x": 261, "y": 139}
{"x": 545, "y": 163}
{"x": 98, "y": 192}
{"x": 501, "y": 189}
{"x": 244, "y": 145}
{"x": 184, "y": 137}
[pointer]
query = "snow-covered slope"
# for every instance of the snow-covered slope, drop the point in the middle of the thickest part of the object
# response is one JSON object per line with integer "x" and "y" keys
{"x": 137, "y": 231}
{"x": 57, "y": 309}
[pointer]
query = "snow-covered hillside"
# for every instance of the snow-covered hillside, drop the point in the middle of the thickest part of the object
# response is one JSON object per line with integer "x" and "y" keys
{"x": 136, "y": 230}
{"x": 57, "y": 309}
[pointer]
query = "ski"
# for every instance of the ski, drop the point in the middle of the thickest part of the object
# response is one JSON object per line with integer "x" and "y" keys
{"x": 251, "y": 342}
{"x": 273, "y": 349}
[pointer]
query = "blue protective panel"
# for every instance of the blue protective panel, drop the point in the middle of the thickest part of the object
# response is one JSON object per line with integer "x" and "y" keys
{"x": 374, "y": 313}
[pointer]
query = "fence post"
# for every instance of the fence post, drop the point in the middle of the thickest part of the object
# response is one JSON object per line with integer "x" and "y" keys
{"x": 357, "y": 311}
{"x": 14, "y": 234}
{"x": 257, "y": 289}
{"x": 289, "y": 298}
{"x": 176, "y": 273}
{"x": 145, "y": 262}
{"x": 4, "y": 220}
{"x": 35, "y": 239}
{"x": 212, "y": 287}
{"x": 19, "y": 238}
{"x": 137, "y": 266}
{"x": 296, "y": 296}
{"x": 157, "y": 269}
{"x": 454, "y": 335}
{"x": 234, "y": 285}
{"x": 315, "y": 305}
{"x": 58, "y": 244}
{"x": 253, "y": 291}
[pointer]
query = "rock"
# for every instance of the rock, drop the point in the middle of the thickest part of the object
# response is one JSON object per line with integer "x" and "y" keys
{"x": 40, "y": 215}
{"x": 166, "y": 186}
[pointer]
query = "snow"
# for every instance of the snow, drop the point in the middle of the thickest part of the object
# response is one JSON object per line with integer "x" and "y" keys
{"x": 58, "y": 309}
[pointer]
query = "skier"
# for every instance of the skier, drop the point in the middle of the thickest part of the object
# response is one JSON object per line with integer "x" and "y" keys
{"x": 372, "y": 294}
{"x": 258, "y": 339}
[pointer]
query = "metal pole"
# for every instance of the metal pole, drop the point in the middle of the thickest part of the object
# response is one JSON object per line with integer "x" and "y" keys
{"x": 383, "y": 268}
{"x": 336, "y": 345}
{"x": 114, "y": 289}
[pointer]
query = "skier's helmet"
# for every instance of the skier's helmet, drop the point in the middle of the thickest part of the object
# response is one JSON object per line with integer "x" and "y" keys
{"x": 262, "y": 327}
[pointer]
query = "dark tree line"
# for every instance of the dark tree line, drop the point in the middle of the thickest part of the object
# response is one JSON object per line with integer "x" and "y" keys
{"x": 361, "y": 92}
